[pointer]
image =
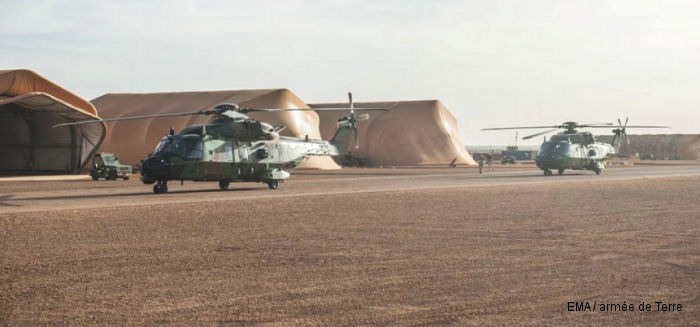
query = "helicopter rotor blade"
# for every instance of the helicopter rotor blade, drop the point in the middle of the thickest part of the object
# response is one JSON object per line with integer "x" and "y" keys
{"x": 540, "y": 133}
{"x": 279, "y": 129}
{"x": 344, "y": 109}
{"x": 627, "y": 126}
{"x": 595, "y": 125}
{"x": 352, "y": 105}
{"x": 524, "y": 127}
{"x": 638, "y": 126}
{"x": 203, "y": 112}
{"x": 307, "y": 109}
{"x": 357, "y": 144}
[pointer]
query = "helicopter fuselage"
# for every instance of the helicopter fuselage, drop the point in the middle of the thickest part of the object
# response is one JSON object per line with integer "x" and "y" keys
{"x": 247, "y": 151}
{"x": 576, "y": 151}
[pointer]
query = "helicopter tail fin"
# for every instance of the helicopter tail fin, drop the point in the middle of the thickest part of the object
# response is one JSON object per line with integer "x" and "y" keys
{"x": 619, "y": 134}
{"x": 346, "y": 137}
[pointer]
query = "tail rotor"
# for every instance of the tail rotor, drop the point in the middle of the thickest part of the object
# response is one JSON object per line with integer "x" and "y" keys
{"x": 353, "y": 120}
{"x": 621, "y": 132}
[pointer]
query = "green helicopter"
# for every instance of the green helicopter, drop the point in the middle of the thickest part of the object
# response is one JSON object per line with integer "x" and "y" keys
{"x": 576, "y": 150}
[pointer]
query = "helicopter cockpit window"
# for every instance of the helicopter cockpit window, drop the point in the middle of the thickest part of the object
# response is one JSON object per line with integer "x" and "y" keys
{"x": 555, "y": 148}
{"x": 187, "y": 146}
{"x": 162, "y": 145}
{"x": 196, "y": 151}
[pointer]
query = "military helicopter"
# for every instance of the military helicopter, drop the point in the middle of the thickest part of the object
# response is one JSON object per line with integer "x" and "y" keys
{"x": 233, "y": 147}
{"x": 571, "y": 149}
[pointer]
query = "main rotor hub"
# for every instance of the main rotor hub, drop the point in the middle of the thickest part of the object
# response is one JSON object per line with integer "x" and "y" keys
{"x": 226, "y": 107}
{"x": 570, "y": 126}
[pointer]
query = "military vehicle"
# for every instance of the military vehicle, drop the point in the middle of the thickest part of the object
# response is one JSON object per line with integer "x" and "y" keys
{"x": 233, "y": 147}
{"x": 572, "y": 149}
{"x": 106, "y": 165}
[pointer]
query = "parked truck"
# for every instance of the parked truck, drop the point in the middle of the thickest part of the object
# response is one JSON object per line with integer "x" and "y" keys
{"x": 106, "y": 165}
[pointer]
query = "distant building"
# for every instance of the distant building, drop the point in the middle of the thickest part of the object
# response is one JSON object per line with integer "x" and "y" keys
{"x": 500, "y": 152}
{"x": 659, "y": 146}
{"x": 519, "y": 154}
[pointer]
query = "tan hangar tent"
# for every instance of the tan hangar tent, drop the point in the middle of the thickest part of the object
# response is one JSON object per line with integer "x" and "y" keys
{"x": 132, "y": 140}
{"x": 29, "y": 105}
{"x": 409, "y": 133}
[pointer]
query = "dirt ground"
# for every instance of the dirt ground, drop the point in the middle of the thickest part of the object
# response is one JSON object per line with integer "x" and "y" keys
{"x": 467, "y": 256}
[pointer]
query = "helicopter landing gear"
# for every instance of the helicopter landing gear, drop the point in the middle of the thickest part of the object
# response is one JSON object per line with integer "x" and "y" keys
{"x": 223, "y": 185}
{"x": 598, "y": 168}
{"x": 548, "y": 172}
{"x": 561, "y": 172}
{"x": 161, "y": 186}
{"x": 273, "y": 184}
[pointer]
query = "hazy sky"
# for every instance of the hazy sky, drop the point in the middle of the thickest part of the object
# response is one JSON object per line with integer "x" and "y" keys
{"x": 492, "y": 63}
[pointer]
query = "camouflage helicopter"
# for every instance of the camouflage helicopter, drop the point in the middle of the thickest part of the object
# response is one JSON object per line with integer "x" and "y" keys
{"x": 571, "y": 149}
{"x": 233, "y": 147}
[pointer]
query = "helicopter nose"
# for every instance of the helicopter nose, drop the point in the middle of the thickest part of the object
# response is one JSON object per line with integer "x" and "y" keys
{"x": 155, "y": 167}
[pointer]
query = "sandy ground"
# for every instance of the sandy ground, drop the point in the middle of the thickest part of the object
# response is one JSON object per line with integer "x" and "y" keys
{"x": 355, "y": 247}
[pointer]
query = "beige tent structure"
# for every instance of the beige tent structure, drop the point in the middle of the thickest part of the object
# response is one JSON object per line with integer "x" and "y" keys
{"x": 132, "y": 140}
{"x": 671, "y": 146}
{"x": 29, "y": 106}
{"x": 409, "y": 133}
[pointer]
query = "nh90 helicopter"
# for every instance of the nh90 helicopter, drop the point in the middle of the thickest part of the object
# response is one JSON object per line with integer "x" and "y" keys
{"x": 571, "y": 149}
{"x": 233, "y": 147}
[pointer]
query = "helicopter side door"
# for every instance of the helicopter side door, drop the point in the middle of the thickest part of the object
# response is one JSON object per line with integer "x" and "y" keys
{"x": 580, "y": 159}
{"x": 244, "y": 164}
{"x": 220, "y": 160}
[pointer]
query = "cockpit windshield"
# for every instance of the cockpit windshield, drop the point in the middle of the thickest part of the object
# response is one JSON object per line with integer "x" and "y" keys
{"x": 561, "y": 148}
{"x": 186, "y": 146}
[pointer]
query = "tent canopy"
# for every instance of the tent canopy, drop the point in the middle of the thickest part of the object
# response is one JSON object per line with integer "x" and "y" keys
{"x": 132, "y": 140}
{"x": 409, "y": 133}
{"x": 29, "y": 105}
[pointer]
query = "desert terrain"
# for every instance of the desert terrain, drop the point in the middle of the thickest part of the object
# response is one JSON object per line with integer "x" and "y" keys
{"x": 367, "y": 247}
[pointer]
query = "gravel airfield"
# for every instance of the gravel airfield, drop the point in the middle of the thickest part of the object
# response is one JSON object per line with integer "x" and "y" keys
{"x": 367, "y": 247}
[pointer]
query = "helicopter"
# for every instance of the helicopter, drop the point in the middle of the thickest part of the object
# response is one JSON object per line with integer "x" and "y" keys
{"x": 576, "y": 150}
{"x": 233, "y": 147}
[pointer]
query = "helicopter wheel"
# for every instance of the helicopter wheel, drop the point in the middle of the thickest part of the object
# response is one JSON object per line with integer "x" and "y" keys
{"x": 560, "y": 172}
{"x": 160, "y": 187}
{"x": 273, "y": 184}
{"x": 223, "y": 185}
{"x": 548, "y": 172}
{"x": 598, "y": 171}
{"x": 95, "y": 177}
